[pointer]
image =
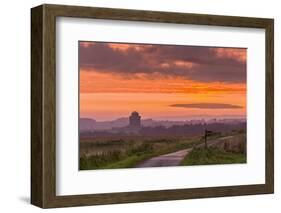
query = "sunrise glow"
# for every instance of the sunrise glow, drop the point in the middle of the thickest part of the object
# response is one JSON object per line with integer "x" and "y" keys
{"x": 161, "y": 82}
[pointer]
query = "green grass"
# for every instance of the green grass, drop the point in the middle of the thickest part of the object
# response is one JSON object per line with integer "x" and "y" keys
{"x": 201, "y": 156}
{"x": 128, "y": 162}
{"x": 127, "y": 152}
{"x": 125, "y": 162}
{"x": 133, "y": 160}
{"x": 129, "y": 156}
{"x": 115, "y": 158}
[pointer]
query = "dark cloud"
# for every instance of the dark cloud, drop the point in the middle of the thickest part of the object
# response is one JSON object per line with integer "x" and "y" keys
{"x": 207, "y": 106}
{"x": 196, "y": 63}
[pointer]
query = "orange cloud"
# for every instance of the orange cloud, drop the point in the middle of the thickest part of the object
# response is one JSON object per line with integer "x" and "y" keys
{"x": 85, "y": 44}
{"x": 206, "y": 64}
{"x": 184, "y": 64}
{"x": 97, "y": 82}
{"x": 239, "y": 54}
{"x": 124, "y": 47}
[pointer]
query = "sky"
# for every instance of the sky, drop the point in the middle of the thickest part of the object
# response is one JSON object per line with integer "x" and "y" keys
{"x": 162, "y": 82}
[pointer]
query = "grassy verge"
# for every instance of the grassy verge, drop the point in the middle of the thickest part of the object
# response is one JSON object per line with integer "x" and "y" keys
{"x": 131, "y": 157}
{"x": 201, "y": 156}
{"x": 128, "y": 162}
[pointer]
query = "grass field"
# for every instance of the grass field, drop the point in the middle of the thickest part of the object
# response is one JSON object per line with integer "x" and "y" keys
{"x": 201, "y": 156}
{"x": 128, "y": 151}
{"x": 109, "y": 153}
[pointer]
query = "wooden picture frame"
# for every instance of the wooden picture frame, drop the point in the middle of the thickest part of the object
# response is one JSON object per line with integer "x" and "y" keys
{"x": 43, "y": 105}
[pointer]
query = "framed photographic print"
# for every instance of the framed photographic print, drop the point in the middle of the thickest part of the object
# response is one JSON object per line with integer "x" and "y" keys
{"x": 136, "y": 106}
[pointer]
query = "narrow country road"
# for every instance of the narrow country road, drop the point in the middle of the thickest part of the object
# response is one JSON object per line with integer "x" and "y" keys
{"x": 174, "y": 158}
{"x": 171, "y": 159}
{"x": 214, "y": 142}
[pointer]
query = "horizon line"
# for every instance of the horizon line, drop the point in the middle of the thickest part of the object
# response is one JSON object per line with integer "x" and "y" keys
{"x": 235, "y": 117}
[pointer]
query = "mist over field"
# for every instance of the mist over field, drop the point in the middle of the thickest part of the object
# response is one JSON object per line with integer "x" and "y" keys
{"x": 89, "y": 124}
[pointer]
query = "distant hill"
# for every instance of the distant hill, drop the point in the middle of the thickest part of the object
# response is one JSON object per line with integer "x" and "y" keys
{"x": 87, "y": 124}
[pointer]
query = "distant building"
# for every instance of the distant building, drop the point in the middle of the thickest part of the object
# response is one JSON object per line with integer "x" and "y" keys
{"x": 135, "y": 120}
